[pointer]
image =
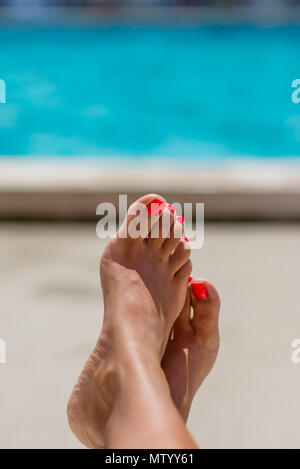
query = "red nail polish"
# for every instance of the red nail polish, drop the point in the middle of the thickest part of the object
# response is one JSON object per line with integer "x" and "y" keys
{"x": 180, "y": 220}
{"x": 171, "y": 208}
{"x": 185, "y": 239}
{"x": 156, "y": 206}
{"x": 199, "y": 291}
{"x": 190, "y": 279}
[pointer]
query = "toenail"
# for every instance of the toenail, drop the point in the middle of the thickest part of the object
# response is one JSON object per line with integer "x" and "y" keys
{"x": 156, "y": 206}
{"x": 199, "y": 291}
{"x": 190, "y": 279}
{"x": 185, "y": 239}
{"x": 180, "y": 220}
{"x": 171, "y": 208}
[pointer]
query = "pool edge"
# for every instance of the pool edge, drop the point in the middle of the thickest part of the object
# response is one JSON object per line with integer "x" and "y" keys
{"x": 71, "y": 190}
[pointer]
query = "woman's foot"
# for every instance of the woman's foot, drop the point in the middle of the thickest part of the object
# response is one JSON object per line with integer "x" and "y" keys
{"x": 193, "y": 345}
{"x": 144, "y": 282}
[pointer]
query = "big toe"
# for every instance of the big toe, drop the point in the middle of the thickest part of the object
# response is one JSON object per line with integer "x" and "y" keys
{"x": 137, "y": 223}
{"x": 206, "y": 307}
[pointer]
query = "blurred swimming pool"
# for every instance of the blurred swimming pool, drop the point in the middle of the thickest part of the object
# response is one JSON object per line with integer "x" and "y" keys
{"x": 206, "y": 93}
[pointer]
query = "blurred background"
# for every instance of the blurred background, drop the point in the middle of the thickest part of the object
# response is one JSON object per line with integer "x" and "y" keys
{"x": 190, "y": 99}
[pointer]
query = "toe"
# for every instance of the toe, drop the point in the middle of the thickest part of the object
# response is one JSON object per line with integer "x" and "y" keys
{"x": 179, "y": 257}
{"x": 138, "y": 218}
{"x": 182, "y": 275}
{"x": 161, "y": 229}
{"x": 206, "y": 306}
{"x": 172, "y": 241}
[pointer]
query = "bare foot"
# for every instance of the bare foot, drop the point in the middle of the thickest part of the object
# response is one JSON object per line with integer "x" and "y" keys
{"x": 193, "y": 346}
{"x": 144, "y": 282}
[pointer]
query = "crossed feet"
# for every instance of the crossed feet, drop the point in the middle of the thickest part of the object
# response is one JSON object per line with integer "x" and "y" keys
{"x": 160, "y": 329}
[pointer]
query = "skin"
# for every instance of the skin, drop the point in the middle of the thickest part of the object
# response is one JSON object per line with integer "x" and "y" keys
{"x": 132, "y": 375}
{"x": 122, "y": 385}
{"x": 193, "y": 348}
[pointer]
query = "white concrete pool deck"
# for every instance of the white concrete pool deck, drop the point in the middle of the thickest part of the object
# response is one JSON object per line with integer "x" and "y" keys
{"x": 51, "y": 312}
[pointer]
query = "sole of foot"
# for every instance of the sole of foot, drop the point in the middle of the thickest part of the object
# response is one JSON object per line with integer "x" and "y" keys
{"x": 193, "y": 345}
{"x": 144, "y": 279}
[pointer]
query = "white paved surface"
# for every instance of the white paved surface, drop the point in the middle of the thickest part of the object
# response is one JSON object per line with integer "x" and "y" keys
{"x": 51, "y": 309}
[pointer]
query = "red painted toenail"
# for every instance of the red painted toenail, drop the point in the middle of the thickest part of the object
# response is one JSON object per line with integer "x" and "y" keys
{"x": 185, "y": 239}
{"x": 180, "y": 220}
{"x": 190, "y": 279}
{"x": 156, "y": 206}
{"x": 199, "y": 291}
{"x": 171, "y": 208}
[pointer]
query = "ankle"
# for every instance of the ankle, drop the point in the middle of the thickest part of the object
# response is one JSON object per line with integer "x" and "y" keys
{"x": 125, "y": 361}
{"x": 128, "y": 347}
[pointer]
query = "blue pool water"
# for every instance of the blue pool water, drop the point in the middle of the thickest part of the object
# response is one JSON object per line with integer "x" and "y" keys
{"x": 207, "y": 92}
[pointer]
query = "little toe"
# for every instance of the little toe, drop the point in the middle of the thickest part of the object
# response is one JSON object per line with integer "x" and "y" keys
{"x": 179, "y": 257}
{"x": 183, "y": 273}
